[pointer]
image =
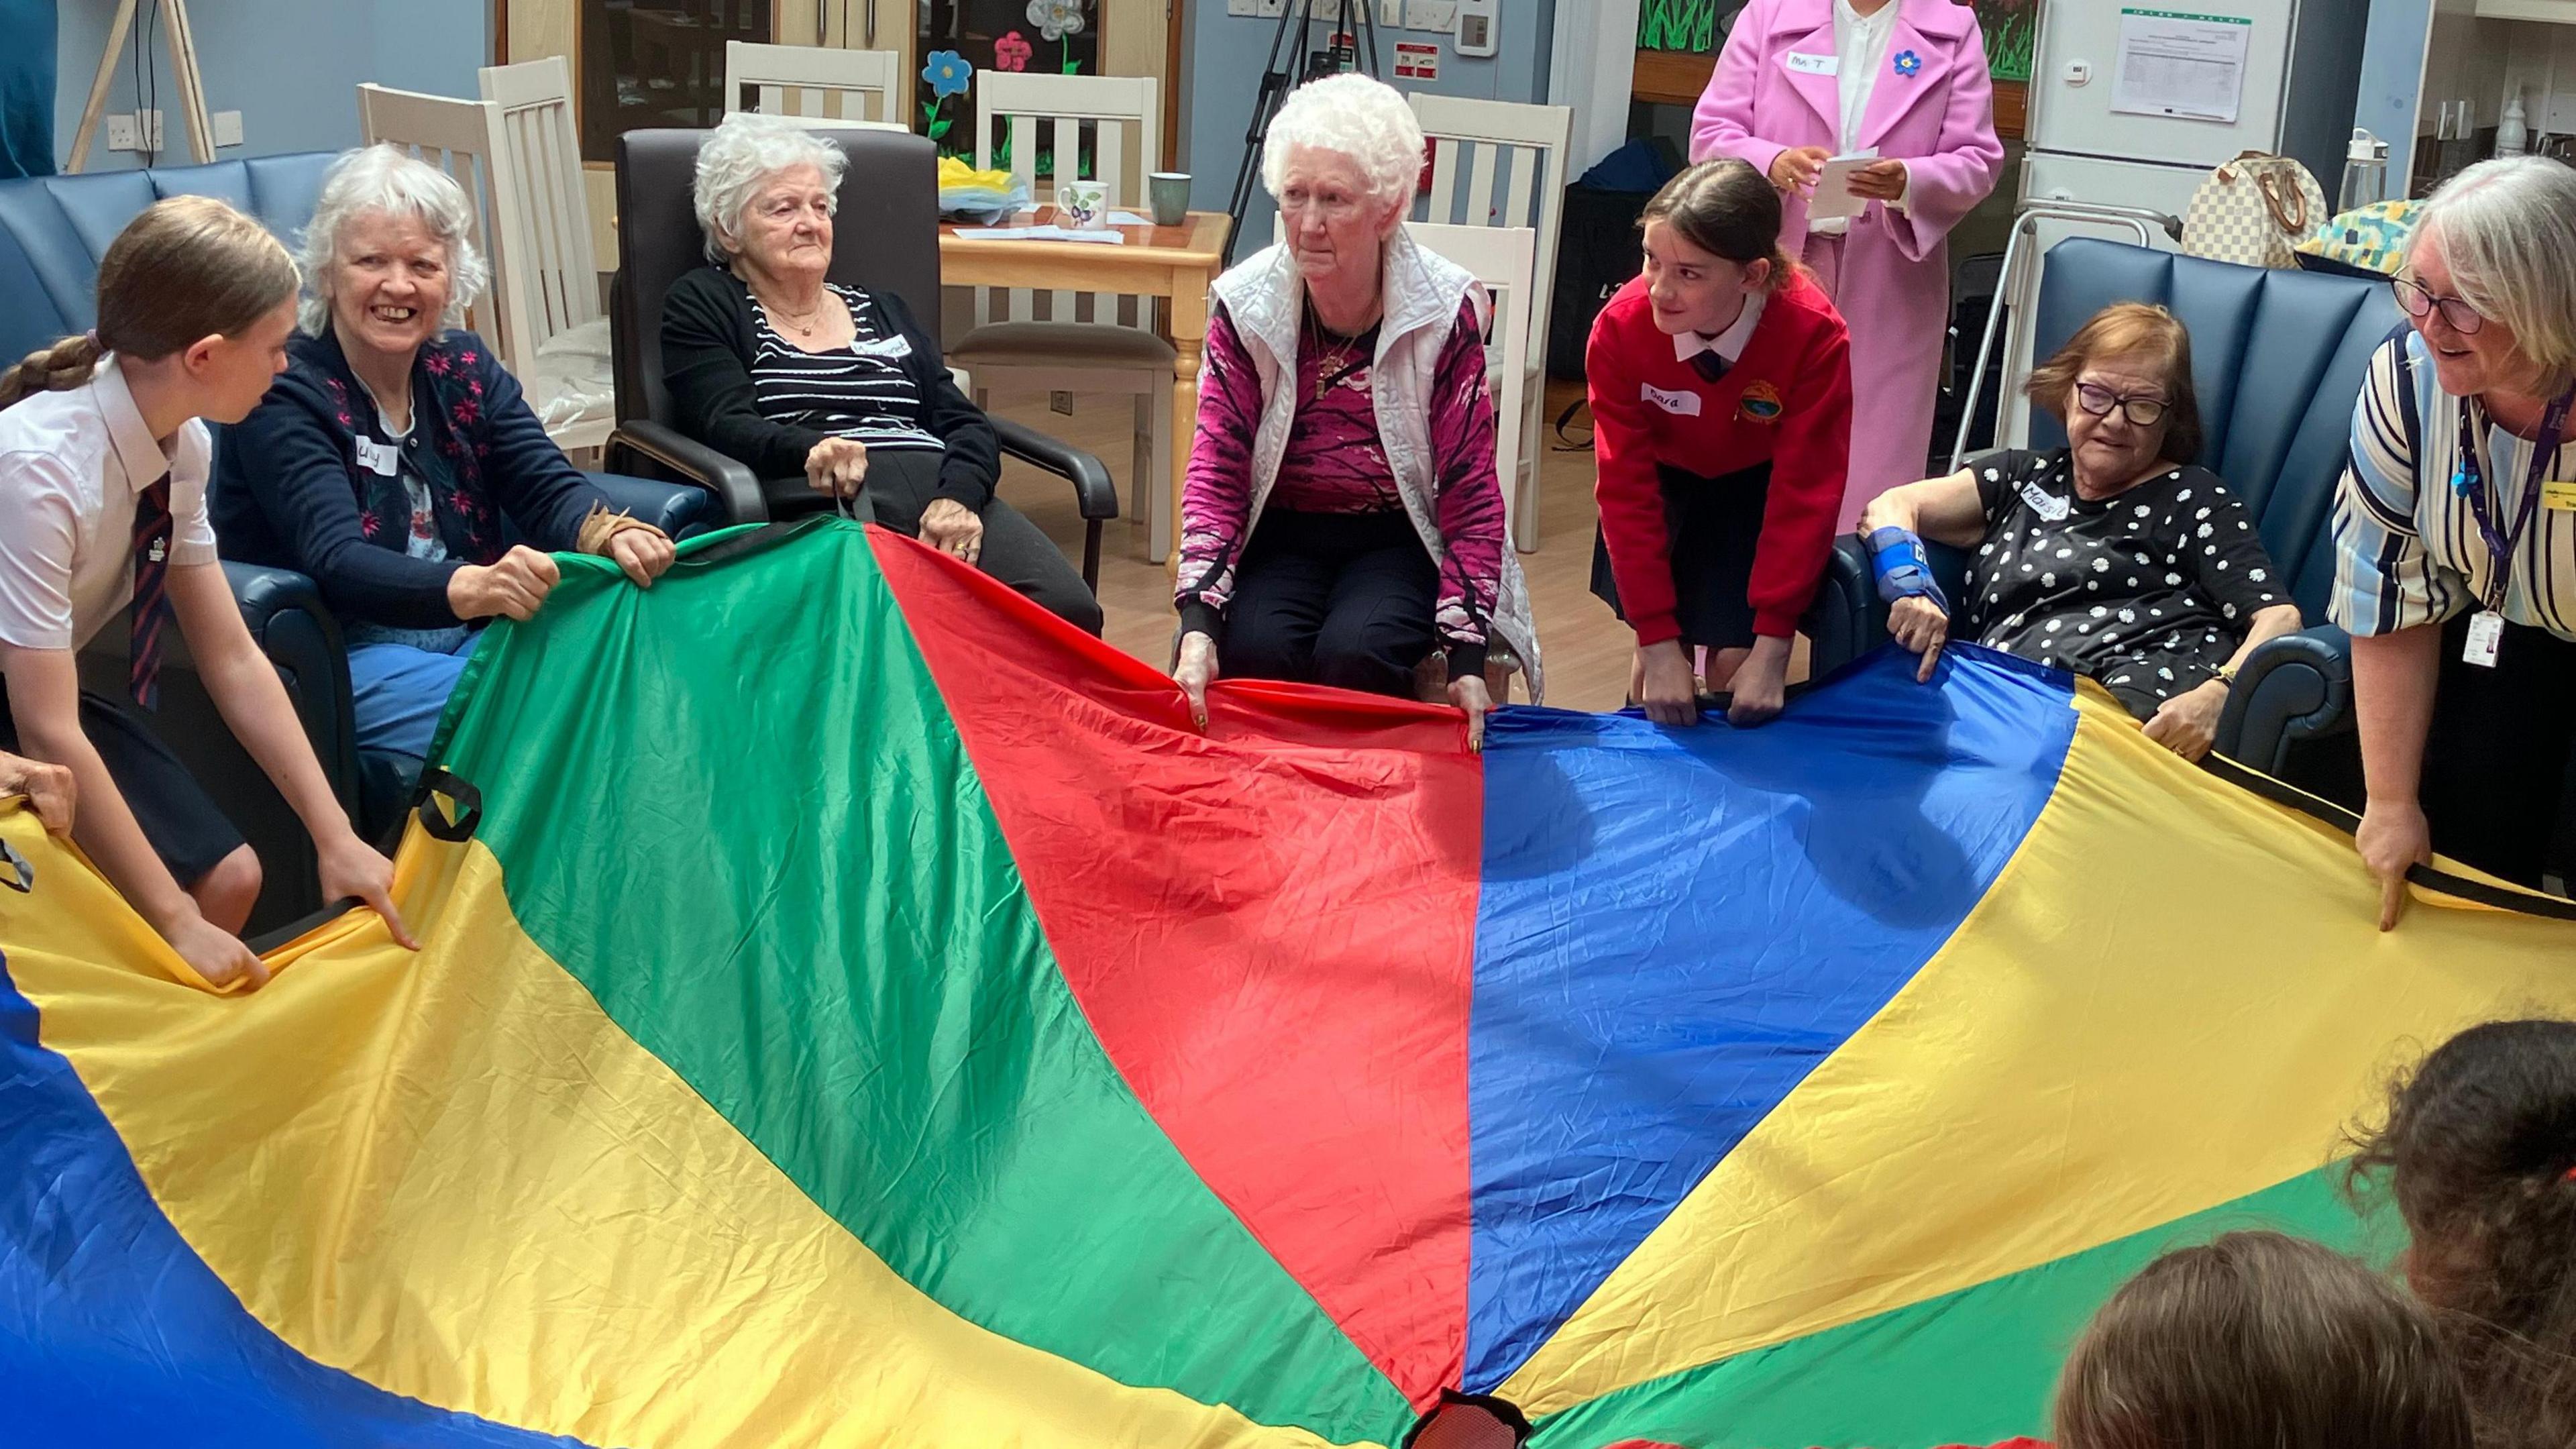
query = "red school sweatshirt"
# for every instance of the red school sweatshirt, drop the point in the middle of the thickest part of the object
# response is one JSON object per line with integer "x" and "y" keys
{"x": 1787, "y": 402}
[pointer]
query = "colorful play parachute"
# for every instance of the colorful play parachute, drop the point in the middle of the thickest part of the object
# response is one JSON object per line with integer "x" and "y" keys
{"x": 867, "y": 1013}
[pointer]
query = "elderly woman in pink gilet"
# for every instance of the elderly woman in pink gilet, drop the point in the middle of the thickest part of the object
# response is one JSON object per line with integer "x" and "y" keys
{"x": 1802, "y": 81}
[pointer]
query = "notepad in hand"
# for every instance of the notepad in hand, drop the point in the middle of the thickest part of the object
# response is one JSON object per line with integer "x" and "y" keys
{"x": 1834, "y": 197}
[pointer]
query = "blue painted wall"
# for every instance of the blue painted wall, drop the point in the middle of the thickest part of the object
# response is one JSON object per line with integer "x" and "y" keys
{"x": 1226, "y": 54}
{"x": 2392, "y": 78}
{"x": 291, "y": 67}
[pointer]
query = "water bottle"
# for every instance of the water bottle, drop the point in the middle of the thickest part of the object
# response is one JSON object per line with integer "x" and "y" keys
{"x": 2513, "y": 131}
{"x": 2365, "y": 172}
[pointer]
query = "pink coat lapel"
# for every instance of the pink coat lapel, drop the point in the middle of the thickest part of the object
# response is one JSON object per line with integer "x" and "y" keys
{"x": 1807, "y": 28}
{"x": 1927, "y": 31}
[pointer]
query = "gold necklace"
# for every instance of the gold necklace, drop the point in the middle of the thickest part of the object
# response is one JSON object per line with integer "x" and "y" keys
{"x": 1331, "y": 364}
{"x": 805, "y": 328}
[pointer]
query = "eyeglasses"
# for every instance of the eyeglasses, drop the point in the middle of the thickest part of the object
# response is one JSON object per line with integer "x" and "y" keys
{"x": 2418, "y": 302}
{"x": 2098, "y": 400}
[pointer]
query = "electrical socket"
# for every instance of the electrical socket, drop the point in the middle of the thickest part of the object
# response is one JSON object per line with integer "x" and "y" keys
{"x": 1390, "y": 12}
{"x": 1271, "y": 8}
{"x": 134, "y": 131}
{"x": 1245, "y": 8}
{"x": 228, "y": 128}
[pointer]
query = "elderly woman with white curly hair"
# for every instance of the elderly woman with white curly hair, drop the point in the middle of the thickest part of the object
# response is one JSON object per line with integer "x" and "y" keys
{"x": 386, "y": 456}
{"x": 818, "y": 386}
{"x": 2455, "y": 534}
{"x": 1342, "y": 518}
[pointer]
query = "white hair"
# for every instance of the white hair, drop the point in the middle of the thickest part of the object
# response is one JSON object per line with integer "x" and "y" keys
{"x": 2508, "y": 232}
{"x": 1349, "y": 115}
{"x": 385, "y": 180}
{"x": 742, "y": 154}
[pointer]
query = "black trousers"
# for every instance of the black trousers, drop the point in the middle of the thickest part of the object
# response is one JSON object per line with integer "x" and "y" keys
{"x": 2496, "y": 760}
{"x": 1344, "y": 599}
{"x": 181, "y": 822}
{"x": 901, "y": 484}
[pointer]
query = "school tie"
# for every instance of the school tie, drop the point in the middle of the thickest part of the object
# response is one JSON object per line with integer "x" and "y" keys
{"x": 151, "y": 608}
{"x": 1708, "y": 364}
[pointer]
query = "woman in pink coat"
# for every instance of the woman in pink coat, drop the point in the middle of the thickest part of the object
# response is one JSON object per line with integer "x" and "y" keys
{"x": 1801, "y": 81}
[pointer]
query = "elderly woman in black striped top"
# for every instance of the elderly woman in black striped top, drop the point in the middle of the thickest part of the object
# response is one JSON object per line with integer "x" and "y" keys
{"x": 769, "y": 363}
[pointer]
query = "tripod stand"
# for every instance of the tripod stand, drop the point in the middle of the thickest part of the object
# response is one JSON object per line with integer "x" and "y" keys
{"x": 1291, "y": 65}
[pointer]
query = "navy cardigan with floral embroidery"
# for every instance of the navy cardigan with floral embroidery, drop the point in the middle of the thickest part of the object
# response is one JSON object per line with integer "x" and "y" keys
{"x": 290, "y": 492}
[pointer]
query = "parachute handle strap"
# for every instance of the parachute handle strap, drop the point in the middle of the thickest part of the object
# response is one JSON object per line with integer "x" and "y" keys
{"x": 469, "y": 806}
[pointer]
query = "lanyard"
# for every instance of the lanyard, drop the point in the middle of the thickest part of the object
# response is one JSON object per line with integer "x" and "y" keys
{"x": 2470, "y": 481}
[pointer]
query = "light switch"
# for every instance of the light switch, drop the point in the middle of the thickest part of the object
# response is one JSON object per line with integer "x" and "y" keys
{"x": 228, "y": 131}
{"x": 1244, "y": 8}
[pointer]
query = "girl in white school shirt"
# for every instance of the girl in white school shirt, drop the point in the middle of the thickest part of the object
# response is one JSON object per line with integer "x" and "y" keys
{"x": 103, "y": 468}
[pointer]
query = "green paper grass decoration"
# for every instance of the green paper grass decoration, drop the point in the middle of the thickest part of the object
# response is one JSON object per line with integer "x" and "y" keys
{"x": 1690, "y": 26}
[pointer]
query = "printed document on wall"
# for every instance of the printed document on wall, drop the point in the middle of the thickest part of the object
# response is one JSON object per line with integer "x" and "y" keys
{"x": 2182, "y": 65}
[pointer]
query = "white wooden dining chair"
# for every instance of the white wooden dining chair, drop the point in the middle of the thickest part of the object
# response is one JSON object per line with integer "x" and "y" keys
{"x": 1066, "y": 342}
{"x": 1512, "y": 158}
{"x": 460, "y": 138}
{"x": 817, "y": 83}
{"x": 1500, "y": 257}
{"x": 558, "y": 328}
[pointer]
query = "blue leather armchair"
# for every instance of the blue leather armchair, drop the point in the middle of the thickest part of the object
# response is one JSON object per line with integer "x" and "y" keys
{"x": 53, "y": 230}
{"x": 2277, "y": 360}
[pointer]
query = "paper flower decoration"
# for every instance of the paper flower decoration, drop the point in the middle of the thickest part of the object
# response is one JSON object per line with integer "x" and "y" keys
{"x": 1907, "y": 63}
{"x": 948, "y": 74}
{"x": 1056, "y": 19}
{"x": 1012, "y": 52}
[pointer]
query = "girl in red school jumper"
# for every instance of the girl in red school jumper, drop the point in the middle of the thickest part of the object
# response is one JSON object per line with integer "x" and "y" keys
{"x": 1720, "y": 382}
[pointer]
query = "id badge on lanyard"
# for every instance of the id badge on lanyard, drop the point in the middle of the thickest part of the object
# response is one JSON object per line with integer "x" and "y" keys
{"x": 2486, "y": 627}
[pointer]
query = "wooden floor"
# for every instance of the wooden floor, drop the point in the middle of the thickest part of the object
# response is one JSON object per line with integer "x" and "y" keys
{"x": 1586, "y": 650}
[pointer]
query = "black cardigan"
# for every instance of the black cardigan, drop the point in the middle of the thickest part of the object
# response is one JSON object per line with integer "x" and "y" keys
{"x": 707, "y": 350}
{"x": 294, "y": 496}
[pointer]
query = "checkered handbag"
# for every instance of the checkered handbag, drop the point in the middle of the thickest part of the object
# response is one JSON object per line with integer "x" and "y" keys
{"x": 2254, "y": 211}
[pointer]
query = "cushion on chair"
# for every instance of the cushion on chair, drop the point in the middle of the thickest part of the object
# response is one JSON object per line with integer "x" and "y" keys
{"x": 1058, "y": 344}
{"x": 571, "y": 381}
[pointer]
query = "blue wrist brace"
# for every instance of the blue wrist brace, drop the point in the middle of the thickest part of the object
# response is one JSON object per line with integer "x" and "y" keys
{"x": 1903, "y": 570}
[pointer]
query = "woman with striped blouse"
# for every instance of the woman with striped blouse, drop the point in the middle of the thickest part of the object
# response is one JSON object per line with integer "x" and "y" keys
{"x": 815, "y": 382}
{"x": 2455, "y": 535}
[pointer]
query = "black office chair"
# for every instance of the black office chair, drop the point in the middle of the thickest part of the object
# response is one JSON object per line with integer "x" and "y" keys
{"x": 888, "y": 241}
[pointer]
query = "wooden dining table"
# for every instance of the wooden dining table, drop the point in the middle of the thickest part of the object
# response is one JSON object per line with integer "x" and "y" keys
{"x": 1173, "y": 263}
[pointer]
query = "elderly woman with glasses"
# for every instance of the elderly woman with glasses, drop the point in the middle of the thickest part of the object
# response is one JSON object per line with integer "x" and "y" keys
{"x": 2455, "y": 535}
{"x": 2114, "y": 557}
{"x": 386, "y": 459}
{"x": 818, "y": 386}
{"x": 1341, "y": 519}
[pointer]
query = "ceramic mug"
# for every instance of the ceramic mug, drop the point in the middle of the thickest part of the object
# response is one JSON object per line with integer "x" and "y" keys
{"x": 1082, "y": 205}
{"x": 1170, "y": 191}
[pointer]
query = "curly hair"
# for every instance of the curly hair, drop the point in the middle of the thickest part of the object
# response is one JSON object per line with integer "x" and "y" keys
{"x": 2478, "y": 1149}
{"x": 385, "y": 180}
{"x": 742, "y": 152}
{"x": 1349, "y": 115}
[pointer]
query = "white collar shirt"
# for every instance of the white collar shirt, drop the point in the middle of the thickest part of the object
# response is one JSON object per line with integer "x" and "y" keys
{"x": 1729, "y": 344}
{"x": 73, "y": 465}
{"x": 1860, "y": 54}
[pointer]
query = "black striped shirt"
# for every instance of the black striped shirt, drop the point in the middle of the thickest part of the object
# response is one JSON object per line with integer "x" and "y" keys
{"x": 860, "y": 391}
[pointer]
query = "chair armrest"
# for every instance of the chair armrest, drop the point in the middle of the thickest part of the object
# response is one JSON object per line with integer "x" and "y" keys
{"x": 1091, "y": 483}
{"x": 296, "y": 632}
{"x": 2292, "y": 689}
{"x": 678, "y": 509}
{"x": 736, "y": 487}
{"x": 1838, "y": 625}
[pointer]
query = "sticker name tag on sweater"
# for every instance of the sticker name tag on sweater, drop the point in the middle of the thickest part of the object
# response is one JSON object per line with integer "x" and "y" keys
{"x": 891, "y": 349}
{"x": 1679, "y": 404}
{"x": 2049, "y": 506}
{"x": 2560, "y": 496}
{"x": 1800, "y": 63}
{"x": 382, "y": 459}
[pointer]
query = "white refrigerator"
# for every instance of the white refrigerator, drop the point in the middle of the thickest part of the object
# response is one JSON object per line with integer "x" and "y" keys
{"x": 2134, "y": 102}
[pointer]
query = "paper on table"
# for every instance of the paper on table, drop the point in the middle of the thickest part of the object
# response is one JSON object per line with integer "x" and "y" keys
{"x": 1834, "y": 198}
{"x": 2187, "y": 66}
{"x": 1129, "y": 218}
{"x": 1039, "y": 233}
